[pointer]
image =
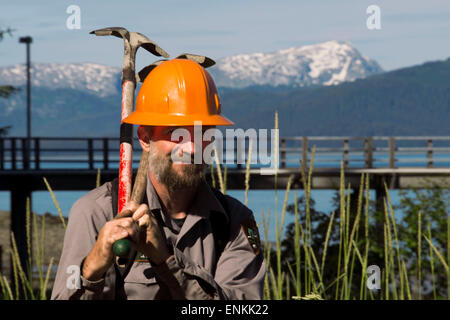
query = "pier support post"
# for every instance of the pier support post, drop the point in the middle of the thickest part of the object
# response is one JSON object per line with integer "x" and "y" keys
{"x": 20, "y": 191}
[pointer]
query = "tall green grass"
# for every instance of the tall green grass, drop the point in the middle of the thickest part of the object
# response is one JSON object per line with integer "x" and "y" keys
{"x": 304, "y": 278}
{"x": 307, "y": 274}
{"x": 22, "y": 283}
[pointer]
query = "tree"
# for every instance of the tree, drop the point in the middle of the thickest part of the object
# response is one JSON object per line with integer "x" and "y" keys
{"x": 319, "y": 225}
{"x": 426, "y": 275}
{"x": 6, "y": 91}
{"x": 432, "y": 205}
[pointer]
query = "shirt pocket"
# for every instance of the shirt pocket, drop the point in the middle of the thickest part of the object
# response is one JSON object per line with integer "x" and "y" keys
{"x": 140, "y": 283}
{"x": 141, "y": 272}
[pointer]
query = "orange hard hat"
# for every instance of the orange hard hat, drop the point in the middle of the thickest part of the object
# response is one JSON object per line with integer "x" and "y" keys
{"x": 178, "y": 92}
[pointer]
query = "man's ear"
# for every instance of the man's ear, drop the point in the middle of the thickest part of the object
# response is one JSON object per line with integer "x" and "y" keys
{"x": 144, "y": 133}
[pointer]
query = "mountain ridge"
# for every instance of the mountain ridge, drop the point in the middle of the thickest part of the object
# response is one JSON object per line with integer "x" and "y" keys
{"x": 87, "y": 77}
{"x": 326, "y": 63}
{"x": 407, "y": 101}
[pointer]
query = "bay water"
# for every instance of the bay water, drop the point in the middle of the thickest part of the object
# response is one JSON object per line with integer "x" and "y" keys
{"x": 259, "y": 201}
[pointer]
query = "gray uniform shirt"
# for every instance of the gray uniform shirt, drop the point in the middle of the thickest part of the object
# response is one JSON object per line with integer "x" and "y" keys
{"x": 192, "y": 272}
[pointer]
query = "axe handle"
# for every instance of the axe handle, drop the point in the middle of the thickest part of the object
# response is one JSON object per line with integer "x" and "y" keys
{"x": 122, "y": 247}
{"x": 140, "y": 182}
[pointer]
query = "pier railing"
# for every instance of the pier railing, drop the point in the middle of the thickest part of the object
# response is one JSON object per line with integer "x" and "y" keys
{"x": 351, "y": 152}
{"x": 367, "y": 152}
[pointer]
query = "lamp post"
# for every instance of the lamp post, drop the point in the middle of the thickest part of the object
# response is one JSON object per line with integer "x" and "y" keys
{"x": 28, "y": 40}
{"x": 20, "y": 189}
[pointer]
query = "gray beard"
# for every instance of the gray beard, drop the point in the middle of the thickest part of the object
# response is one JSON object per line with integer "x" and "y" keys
{"x": 161, "y": 167}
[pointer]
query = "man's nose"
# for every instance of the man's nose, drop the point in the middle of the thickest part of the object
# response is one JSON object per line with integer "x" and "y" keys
{"x": 187, "y": 147}
{"x": 192, "y": 145}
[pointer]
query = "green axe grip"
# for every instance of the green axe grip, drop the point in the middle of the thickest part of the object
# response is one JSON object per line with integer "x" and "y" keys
{"x": 122, "y": 248}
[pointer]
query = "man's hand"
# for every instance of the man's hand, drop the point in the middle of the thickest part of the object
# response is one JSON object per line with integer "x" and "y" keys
{"x": 101, "y": 256}
{"x": 136, "y": 222}
{"x": 149, "y": 239}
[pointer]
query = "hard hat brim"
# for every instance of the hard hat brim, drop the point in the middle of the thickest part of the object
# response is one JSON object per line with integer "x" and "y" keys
{"x": 158, "y": 119}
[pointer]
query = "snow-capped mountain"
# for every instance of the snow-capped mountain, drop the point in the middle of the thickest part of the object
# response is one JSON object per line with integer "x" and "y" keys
{"x": 326, "y": 63}
{"x": 87, "y": 105}
{"x": 87, "y": 77}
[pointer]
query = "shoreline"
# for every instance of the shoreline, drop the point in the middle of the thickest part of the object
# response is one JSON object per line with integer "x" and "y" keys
{"x": 53, "y": 239}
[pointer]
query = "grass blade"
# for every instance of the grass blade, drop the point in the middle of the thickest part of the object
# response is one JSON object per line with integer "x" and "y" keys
{"x": 341, "y": 225}
{"x": 8, "y": 288}
{"x": 47, "y": 277}
{"x": 408, "y": 290}
{"x": 297, "y": 248}
{"x": 325, "y": 246}
{"x": 55, "y": 202}
{"x": 247, "y": 170}
{"x": 419, "y": 258}
{"x": 433, "y": 281}
{"x": 219, "y": 171}
{"x": 437, "y": 253}
{"x": 97, "y": 180}
{"x": 316, "y": 265}
{"x": 274, "y": 285}
{"x": 448, "y": 256}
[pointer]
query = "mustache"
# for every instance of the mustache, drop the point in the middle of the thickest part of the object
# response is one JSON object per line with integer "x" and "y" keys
{"x": 187, "y": 157}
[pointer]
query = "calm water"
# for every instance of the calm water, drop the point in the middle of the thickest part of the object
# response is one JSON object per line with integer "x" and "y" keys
{"x": 259, "y": 201}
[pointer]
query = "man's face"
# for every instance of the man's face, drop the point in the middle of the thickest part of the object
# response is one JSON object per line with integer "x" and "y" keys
{"x": 176, "y": 175}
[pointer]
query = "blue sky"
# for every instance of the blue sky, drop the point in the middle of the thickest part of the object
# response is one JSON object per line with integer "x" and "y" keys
{"x": 412, "y": 31}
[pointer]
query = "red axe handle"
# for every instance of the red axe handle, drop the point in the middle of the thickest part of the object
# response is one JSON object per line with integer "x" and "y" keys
{"x": 122, "y": 248}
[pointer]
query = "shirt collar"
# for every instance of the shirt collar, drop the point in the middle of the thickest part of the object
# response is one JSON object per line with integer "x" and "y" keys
{"x": 206, "y": 202}
{"x": 152, "y": 196}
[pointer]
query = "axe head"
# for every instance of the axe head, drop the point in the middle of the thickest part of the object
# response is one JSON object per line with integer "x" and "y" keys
{"x": 148, "y": 44}
{"x": 141, "y": 75}
{"x": 118, "y": 32}
{"x": 135, "y": 39}
{"x": 204, "y": 61}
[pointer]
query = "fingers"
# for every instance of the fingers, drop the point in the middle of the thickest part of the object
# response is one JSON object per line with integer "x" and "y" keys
{"x": 128, "y": 211}
{"x": 118, "y": 234}
{"x": 125, "y": 213}
{"x": 120, "y": 229}
{"x": 144, "y": 221}
{"x": 142, "y": 216}
{"x": 141, "y": 211}
{"x": 128, "y": 222}
{"x": 140, "y": 224}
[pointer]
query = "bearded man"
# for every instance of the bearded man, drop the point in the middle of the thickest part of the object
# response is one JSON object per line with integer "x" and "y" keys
{"x": 192, "y": 242}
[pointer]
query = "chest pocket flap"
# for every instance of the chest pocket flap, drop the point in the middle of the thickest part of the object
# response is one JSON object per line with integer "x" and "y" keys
{"x": 141, "y": 272}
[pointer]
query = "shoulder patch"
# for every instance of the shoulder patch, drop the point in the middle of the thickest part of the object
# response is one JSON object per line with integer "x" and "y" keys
{"x": 251, "y": 232}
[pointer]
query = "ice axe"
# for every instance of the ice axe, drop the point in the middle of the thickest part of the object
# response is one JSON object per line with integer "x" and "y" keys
{"x": 122, "y": 248}
{"x": 132, "y": 42}
{"x": 204, "y": 61}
